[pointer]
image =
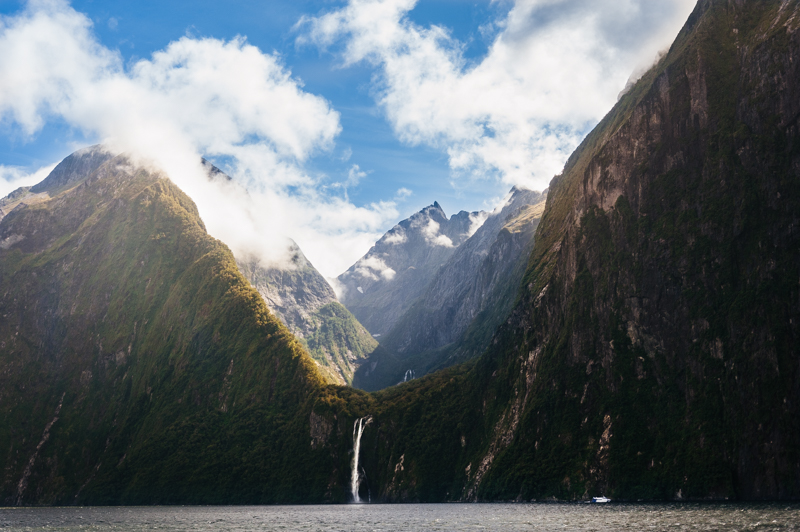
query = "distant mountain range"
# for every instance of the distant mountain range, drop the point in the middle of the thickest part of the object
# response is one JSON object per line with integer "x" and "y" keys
{"x": 467, "y": 296}
{"x": 384, "y": 283}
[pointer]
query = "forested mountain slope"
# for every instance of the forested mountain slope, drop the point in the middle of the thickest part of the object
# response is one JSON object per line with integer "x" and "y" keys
{"x": 305, "y": 302}
{"x": 120, "y": 382}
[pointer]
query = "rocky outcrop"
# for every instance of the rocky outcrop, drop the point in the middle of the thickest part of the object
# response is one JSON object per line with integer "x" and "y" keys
{"x": 69, "y": 173}
{"x": 307, "y": 305}
{"x": 382, "y": 285}
{"x": 73, "y": 170}
{"x": 294, "y": 291}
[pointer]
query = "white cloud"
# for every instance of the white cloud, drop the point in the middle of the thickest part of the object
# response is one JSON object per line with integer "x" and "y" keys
{"x": 402, "y": 193}
{"x": 196, "y": 97}
{"x": 12, "y": 177}
{"x": 395, "y": 236}
{"x": 373, "y": 268}
{"x": 338, "y": 288}
{"x": 476, "y": 221}
{"x": 430, "y": 231}
{"x": 554, "y": 69}
{"x": 354, "y": 176}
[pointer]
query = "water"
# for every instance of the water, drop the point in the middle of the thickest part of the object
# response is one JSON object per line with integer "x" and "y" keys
{"x": 355, "y": 478}
{"x": 434, "y": 517}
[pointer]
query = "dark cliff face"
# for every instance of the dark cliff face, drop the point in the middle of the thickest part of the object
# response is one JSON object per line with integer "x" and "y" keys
{"x": 469, "y": 296}
{"x": 656, "y": 344}
{"x": 381, "y": 286}
{"x": 653, "y": 351}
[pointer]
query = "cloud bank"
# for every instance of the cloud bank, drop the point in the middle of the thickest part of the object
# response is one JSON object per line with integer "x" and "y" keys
{"x": 219, "y": 99}
{"x": 553, "y": 70}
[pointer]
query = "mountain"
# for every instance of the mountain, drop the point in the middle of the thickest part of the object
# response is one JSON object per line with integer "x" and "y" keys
{"x": 22, "y": 196}
{"x": 137, "y": 365}
{"x": 305, "y": 302}
{"x": 653, "y": 351}
{"x": 467, "y": 298}
{"x": 382, "y": 284}
{"x": 70, "y": 172}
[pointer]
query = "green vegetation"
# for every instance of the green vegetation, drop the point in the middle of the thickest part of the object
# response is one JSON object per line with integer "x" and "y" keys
{"x": 304, "y": 301}
{"x": 118, "y": 308}
{"x": 338, "y": 341}
{"x": 676, "y": 315}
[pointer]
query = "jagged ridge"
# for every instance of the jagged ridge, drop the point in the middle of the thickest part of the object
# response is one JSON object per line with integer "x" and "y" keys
{"x": 381, "y": 285}
{"x": 467, "y": 298}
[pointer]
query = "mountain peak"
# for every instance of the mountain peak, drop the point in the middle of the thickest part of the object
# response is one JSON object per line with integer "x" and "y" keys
{"x": 381, "y": 284}
{"x": 73, "y": 169}
{"x": 434, "y": 210}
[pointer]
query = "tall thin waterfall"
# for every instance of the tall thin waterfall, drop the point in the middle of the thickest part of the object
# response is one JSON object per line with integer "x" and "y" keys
{"x": 355, "y": 478}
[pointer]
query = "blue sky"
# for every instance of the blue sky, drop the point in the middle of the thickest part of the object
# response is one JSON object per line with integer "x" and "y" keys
{"x": 400, "y": 103}
{"x": 139, "y": 28}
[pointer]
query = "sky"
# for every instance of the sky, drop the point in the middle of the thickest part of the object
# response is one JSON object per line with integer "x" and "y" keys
{"x": 336, "y": 118}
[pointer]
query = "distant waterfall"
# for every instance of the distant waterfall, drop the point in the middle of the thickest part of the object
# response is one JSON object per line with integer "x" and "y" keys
{"x": 355, "y": 479}
{"x": 410, "y": 375}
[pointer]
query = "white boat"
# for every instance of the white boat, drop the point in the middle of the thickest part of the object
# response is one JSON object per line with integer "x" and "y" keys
{"x": 600, "y": 500}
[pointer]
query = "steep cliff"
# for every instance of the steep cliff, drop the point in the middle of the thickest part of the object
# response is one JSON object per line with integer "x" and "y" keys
{"x": 381, "y": 286}
{"x": 656, "y": 343}
{"x": 469, "y": 296}
{"x": 653, "y": 351}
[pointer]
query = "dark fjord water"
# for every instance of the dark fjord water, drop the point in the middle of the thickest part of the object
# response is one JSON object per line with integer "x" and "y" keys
{"x": 444, "y": 517}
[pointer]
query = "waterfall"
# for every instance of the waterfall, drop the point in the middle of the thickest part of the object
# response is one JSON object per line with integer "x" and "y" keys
{"x": 410, "y": 375}
{"x": 355, "y": 479}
